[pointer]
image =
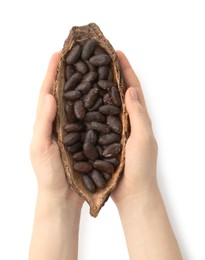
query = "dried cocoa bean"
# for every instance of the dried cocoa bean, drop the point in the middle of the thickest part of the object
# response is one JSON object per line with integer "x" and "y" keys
{"x": 69, "y": 71}
{"x": 107, "y": 99}
{"x": 88, "y": 49}
{"x": 73, "y": 127}
{"x": 109, "y": 139}
{"x": 115, "y": 161}
{"x": 98, "y": 179}
{"x": 99, "y": 127}
{"x": 110, "y": 76}
{"x": 81, "y": 67}
{"x": 91, "y": 137}
{"x": 75, "y": 147}
{"x": 71, "y": 138}
{"x": 70, "y": 112}
{"x": 79, "y": 109}
{"x": 109, "y": 110}
{"x": 72, "y": 95}
{"x": 99, "y": 50}
{"x": 90, "y": 66}
{"x": 90, "y": 76}
{"x": 103, "y": 166}
{"x": 73, "y": 81}
{"x": 94, "y": 116}
{"x": 100, "y": 150}
{"x": 84, "y": 87}
{"x": 105, "y": 84}
{"x": 114, "y": 123}
{"x": 107, "y": 176}
{"x": 100, "y": 60}
{"x": 83, "y": 167}
{"x": 112, "y": 150}
{"x": 91, "y": 97}
{"x": 74, "y": 54}
{"x": 90, "y": 151}
{"x": 97, "y": 104}
{"x": 103, "y": 72}
{"x": 79, "y": 156}
{"x": 89, "y": 184}
{"x": 115, "y": 96}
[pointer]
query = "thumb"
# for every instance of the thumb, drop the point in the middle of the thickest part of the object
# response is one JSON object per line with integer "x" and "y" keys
{"x": 43, "y": 126}
{"x": 137, "y": 113}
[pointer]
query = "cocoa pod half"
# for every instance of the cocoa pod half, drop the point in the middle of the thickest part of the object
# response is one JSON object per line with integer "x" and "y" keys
{"x": 90, "y": 64}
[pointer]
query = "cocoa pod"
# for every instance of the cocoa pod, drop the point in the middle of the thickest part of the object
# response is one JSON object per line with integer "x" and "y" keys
{"x": 88, "y": 64}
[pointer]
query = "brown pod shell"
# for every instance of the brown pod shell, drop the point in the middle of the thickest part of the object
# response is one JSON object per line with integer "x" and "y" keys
{"x": 79, "y": 35}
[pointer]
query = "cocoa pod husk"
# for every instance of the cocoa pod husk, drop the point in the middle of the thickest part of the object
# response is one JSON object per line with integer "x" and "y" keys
{"x": 78, "y": 35}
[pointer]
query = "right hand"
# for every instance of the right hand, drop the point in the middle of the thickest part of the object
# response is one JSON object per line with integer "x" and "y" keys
{"x": 141, "y": 148}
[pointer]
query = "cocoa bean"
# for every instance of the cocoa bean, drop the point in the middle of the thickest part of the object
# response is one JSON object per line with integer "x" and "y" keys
{"x": 100, "y": 60}
{"x": 115, "y": 161}
{"x": 103, "y": 166}
{"x": 98, "y": 179}
{"x": 84, "y": 87}
{"x": 74, "y": 54}
{"x": 112, "y": 150}
{"x": 105, "y": 84}
{"x": 70, "y": 112}
{"x": 94, "y": 116}
{"x": 73, "y": 81}
{"x": 90, "y": 76}
{"x": 79, "y": 156}
{"x": 89, "y": 184}
{"x": 71, "y": 138}
{"x": 99, "y": 127}
{"x": 103, "y": 72}
{"x": 109, "y": 110}
{"x": 109, "y": 139}
{"x": 73, "y": 127}
{"x": 91, "y": 97}
{"x": 115, "y": 96}
{"x": 72, "y": 95}
{"x": 75, "y": 147}
{"x": 107, "y": 176}
{"x": 79, "y": 109}
{"x": 114, "y": 123}
{"x": 90, "y": 151}
{"x": 97, "y": 104}
{"x": 99, "y": 50}
{"x": 81, "y": 67}
{"x": 69, "y": 71}
{"x": 91, "y": 137}
{"x": 88, "y": 49}
{"x": 83, "y": 167}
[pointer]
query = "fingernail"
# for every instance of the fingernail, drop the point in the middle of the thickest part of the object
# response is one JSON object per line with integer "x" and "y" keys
{"x": 133, "y": 93}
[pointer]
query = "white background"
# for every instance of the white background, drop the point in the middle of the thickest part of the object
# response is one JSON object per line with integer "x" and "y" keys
{"x": 165, "y": 42}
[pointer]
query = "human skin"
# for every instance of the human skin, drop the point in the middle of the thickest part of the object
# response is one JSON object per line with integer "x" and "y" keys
{"x": 58, "y": 208}
{"x": 143, "y": 215}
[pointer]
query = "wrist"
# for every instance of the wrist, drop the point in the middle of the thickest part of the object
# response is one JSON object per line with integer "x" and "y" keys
{"x": 68, "y": 200}
{"x": 138, "y": 202}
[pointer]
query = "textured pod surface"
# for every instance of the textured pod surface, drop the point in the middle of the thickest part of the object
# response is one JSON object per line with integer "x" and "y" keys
{"x": 79, "y": 36}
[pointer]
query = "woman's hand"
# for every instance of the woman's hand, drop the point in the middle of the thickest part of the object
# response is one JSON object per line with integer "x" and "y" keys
{"x": 141, "y": 149}
{"x": 44, "y": 150}
{"x": 58, "y": 208}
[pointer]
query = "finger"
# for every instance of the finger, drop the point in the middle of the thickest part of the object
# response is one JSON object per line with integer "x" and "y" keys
{"x": 130, "y": 77}
{"x": 139, "y": 120}
{"x": 42, "y": 136}
{"x": 48, "y": 82}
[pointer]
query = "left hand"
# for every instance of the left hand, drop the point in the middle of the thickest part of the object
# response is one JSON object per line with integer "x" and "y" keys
{"x": 44, "y": 151}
